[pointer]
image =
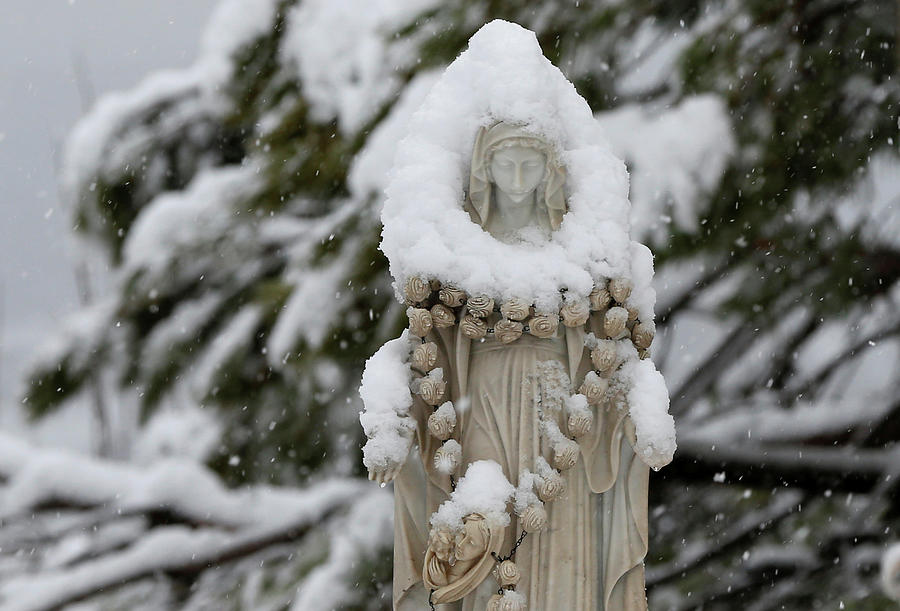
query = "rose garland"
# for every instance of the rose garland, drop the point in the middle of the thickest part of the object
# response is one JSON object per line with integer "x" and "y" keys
{"x": 432, "y": 305}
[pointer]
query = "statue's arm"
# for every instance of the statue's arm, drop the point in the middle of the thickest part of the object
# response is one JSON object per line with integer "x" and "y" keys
{"x": 425, "y": 358}
{"x": 387, "y": 417}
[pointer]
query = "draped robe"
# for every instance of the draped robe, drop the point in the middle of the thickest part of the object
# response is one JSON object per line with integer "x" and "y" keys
{"x": 590, "y": 556}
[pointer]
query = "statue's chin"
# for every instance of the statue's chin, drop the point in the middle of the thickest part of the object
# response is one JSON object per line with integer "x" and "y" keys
{"x": 518, "y": 197}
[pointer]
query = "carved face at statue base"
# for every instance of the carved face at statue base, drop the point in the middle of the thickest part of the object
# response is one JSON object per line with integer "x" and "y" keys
{"x": 456, "y": 564}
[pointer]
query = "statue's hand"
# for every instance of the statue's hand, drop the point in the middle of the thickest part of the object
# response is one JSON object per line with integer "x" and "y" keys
{"x": 384, "y": 475}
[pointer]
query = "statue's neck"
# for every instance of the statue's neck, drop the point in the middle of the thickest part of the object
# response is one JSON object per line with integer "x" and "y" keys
{"x": 512, "y": 215}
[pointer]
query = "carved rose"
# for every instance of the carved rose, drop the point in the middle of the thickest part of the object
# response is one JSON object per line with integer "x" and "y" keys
{"x": 442, "y": 422}
{"x": 420, "y": 322}
{"x": 543, "y": 325}
{"x": 508, "y": 331}
{"x": 424, "y": 357}
{"x": 515, "y": 309}
{"x": 575, "y": 313}
{"x": 614, "y": 321}
{"x": 620, "y": 289}
{"x": 473, "y": 328}
{"x": 533, "y": 519}
{"x": 565, "y": 454}
{"x": 642, "y": 334}
{"x": 431, "y": 389}
{"x": 441, "y": 540}
{"x": 507, "y": 573}
{"x": 480, "y": 306}
{"x": 442, "y": 316}
{"x": 551, "y": 487}
{"x": 451, "y": 296}
{"x": 603, "y": 356}
{"x": 440, "y": 426}
{"x": 632, "y": 314}
{"x": 447, "y": 457}
{"x": 417, "y": 289}
{"x": 580, "y": 423}
{"x": 599, "y": 297}
{"x": 594, "y": 387}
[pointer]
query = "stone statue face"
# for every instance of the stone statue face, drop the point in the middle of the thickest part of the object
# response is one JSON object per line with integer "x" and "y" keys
{"x": 515, "y": 183}
{"x": 473, "y": 541}
{"x": 517, "y": 171}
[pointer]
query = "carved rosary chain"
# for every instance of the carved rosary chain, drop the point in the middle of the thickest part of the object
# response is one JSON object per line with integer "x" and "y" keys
{"x": 512, "y": 552}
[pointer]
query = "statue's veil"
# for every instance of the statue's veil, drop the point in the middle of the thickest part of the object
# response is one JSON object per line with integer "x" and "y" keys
{"x": 488, "y": 140}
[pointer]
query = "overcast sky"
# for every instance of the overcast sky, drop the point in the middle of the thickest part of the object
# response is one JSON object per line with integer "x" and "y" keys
{"x": 114, "y": 44}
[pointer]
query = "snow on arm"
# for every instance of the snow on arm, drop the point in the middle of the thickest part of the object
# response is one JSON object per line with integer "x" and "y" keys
{"x": 386, "y": 400}
{"x": 648, "y": 406}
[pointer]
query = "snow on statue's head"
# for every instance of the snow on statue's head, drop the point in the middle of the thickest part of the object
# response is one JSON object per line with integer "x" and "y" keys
{"x": 500, "y": 95}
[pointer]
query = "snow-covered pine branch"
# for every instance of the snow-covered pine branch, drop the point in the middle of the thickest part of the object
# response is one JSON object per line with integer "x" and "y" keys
{"x": 92, "y": 525}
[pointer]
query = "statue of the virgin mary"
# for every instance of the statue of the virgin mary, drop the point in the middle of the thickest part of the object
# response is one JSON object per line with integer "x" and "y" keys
{"x": 520, "y": 458}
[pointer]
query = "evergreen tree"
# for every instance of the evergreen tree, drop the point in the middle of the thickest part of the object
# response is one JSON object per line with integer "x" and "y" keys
{"x": 237, "y": 203}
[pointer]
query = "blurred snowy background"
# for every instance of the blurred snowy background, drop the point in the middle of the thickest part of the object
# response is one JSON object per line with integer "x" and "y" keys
{"x": 191, "y": 351}
{"x": 56, "y": 57}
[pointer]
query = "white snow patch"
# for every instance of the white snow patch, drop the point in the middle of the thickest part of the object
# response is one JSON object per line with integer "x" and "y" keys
{"x": 38, "y": 475}
{"x": 484, "y": 490}
{"x": 183, "y": 218}
{"x": 371, "y": 167}
{"x": 386, "y": 399}
{"x": 186, "y": 432}
{"x": 675, "y": 156}
{"x": 344, "y": 54}
{"x": 237, "y": 333}
{"x": 765, "y": 419}
{"x": 183, "y": 325}
{"x": 368, "y": 528}
{"x": 309, "y": 313}
{"x": 171, "y": 547}
{"x": 873, "y": 205}
{"x": 648, "y": 403}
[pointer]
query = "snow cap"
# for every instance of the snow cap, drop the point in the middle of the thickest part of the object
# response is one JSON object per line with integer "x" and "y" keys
{"x": 504, "y": 77}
